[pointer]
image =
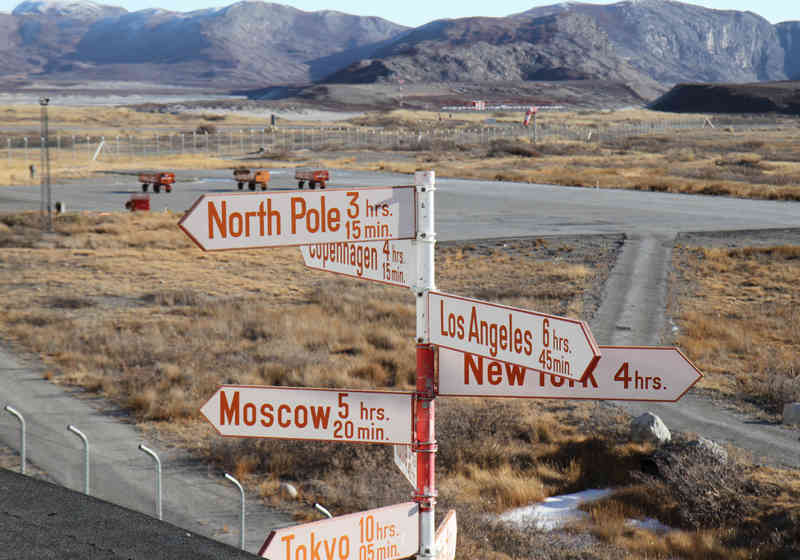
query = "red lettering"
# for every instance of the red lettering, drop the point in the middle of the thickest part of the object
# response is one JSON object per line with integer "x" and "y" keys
{"x": 228, "y": 411}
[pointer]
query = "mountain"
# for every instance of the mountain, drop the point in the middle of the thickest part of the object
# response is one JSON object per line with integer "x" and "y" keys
{"x": 773, "y": 97}
{"x": 644, "y": 45}
{"x": 641, "y": 42}
{"x": 67, "y": 8}
{"x": 245, "y": 44}
{"x": 674, "y": 42}
{"x": 789, "y": 35}
{"x": 562, "y": 46}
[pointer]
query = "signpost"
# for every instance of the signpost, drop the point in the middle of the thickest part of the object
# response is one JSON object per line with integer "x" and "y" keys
{"x": 385, "y": 533}
{"x": 632, "y": 373}
{"x": 390, "y": 262}
{"x": 555, "y": 345}
{"x": 446, "y": 537}
{"x": 218, "y": 222}
{"x": 485, "y": 349}
{"x": 317, "y": 414}
{"x": 406, "y": 461}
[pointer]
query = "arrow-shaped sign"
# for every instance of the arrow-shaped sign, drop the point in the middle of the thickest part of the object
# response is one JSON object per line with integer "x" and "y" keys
{"x": 217, "y": 222}
{"x": 548, "y": 343}
{"x": 630, "y": 373}
{"x": 387, "y": 533}
{"x": 321, "y": 414}
{"x": 389, "y": 262}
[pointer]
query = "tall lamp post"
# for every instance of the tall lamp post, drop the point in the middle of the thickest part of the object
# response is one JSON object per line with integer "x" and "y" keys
{"x": 44, "y": 153}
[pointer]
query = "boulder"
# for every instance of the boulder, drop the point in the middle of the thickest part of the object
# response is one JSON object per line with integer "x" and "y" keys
{"x": 711, "y": 449}
{"x": 288, "y": 490}
{"x": 791, "y": 413}
{"x": 649, "y": 427}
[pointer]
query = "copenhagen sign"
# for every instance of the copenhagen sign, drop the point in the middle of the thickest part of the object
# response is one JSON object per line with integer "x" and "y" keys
{"x": 390, "y": 262}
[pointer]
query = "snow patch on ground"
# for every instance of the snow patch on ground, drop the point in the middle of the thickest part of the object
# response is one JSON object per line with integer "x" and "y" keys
{"x": 554, "y": 512}
{"x": 557, "y": 511}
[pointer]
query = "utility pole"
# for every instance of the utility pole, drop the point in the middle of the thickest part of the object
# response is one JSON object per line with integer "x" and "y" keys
{"x": 44, "y": 155}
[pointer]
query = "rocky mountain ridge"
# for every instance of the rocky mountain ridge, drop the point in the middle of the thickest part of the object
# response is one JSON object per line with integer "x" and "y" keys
{"x": 647, "y": 44}
{"x": 248, "y": 43}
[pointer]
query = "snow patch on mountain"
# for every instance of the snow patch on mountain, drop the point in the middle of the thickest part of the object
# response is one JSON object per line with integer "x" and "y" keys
{"x": 82, "y": 9}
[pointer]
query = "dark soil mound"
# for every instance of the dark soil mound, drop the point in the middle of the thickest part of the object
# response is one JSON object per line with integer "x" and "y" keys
{"x": 771, "y": 97}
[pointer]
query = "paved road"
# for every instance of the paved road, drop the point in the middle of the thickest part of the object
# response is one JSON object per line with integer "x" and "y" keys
{"x": 194, "y": 497}
{"x": 632, "y": 313}
{"x": 465, "y": 209}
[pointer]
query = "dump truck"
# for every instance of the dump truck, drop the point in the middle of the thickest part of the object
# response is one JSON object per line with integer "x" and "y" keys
{"x": 313, "y": 177}
{"x": 161, "y": 179}
{"x": 253, "y": 179}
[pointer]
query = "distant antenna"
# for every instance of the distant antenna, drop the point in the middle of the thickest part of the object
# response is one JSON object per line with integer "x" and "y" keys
{"x": 44, "y": 153}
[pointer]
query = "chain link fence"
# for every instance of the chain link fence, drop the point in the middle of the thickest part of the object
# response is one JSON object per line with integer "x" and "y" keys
{"x": 67, "y": 149}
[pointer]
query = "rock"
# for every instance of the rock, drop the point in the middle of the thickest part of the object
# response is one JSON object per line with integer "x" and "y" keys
{"x": 288, "y": 490}
{"x": 710, "y": 448}
{"x": 791, "y": 413}
{"x": 649, "y": 427}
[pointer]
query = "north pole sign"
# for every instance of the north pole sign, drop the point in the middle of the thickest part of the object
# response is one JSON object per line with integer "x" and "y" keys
{"x": 629, "y": 373}
{"x": 389, "y": 262}
{"x": 535, "y": 341}
{"x": 315, "y": 414}
{"x": 218, "y": 222}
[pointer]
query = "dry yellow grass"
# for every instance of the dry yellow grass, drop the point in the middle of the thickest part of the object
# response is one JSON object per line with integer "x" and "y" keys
{"x": 737, "y": 161}
{"x": 124, "y": 306}
{"x": 741, "y": 324}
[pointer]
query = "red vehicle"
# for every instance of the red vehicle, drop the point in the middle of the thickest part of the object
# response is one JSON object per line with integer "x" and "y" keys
{"x": 314, "y": 177}
{"x": 163, "y": 179}
{"x": 138, "y": 202}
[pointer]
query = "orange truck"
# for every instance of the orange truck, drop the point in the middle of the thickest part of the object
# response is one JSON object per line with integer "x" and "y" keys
{"x": 253, "y": 179}
{"x": 313, "y": 177}
{"x": 163, "y": 179}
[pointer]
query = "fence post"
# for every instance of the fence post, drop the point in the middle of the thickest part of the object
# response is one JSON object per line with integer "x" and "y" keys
{"x": 158, "y": 150}
{"x": 158, "y": 478}
{"x": 324, "y": 511}
{"x": 26, "y": 148}
{"x": 8, "y": 149}
{"x": 207, "y": 150}
{"x": 15, "y": 412}
{"x": 194, "y": 141}
{"x": 88, "y": 149}
{"x": 80, "y": 434}
{"x": 241, "y": 517}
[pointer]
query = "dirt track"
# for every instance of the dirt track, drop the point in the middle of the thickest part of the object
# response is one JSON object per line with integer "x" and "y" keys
{"x": 634, "y": 312}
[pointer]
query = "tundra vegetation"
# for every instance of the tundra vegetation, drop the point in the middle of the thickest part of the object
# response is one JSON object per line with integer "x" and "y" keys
{"x": 125, "y": 307}
{"x": 750, "y": 157}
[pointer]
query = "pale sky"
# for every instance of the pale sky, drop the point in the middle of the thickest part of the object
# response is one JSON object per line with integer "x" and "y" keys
{"x": 417, "y": 12}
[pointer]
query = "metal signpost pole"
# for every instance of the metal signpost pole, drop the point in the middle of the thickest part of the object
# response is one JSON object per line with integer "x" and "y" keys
{"x": 425, "y": 436}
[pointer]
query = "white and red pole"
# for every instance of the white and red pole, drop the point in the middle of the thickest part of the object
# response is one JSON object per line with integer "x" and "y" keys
{"x": 424, "y": 417}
